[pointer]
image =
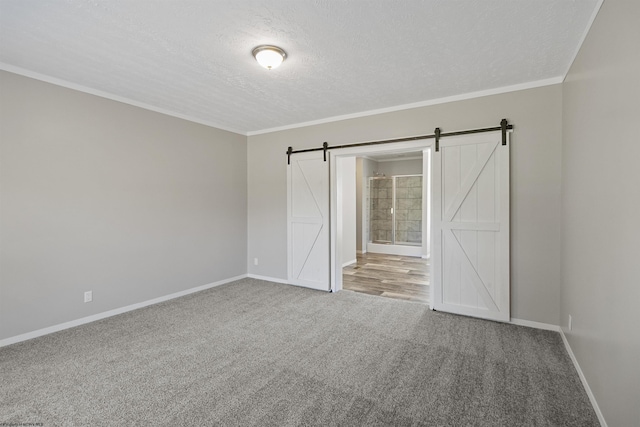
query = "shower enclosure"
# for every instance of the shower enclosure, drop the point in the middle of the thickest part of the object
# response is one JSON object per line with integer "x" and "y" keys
{"x": 395, "y": 215}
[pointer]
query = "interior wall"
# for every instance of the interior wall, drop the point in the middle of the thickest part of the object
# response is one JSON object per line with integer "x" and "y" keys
{"x": 601, "y": 207}
{"x": 364, "y": 169}
{"x": 101, "y": 196}
{"x": 348, "y": 208}
{"x": 400, "y": 167}
{"x": 359, "y": 182}
{"x": 535, "y": 182}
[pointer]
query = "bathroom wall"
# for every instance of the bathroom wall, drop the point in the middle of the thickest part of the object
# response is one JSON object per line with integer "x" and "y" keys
{"x": 364, "y": 169}
{"x": 400, "y": 167}
{"x": 347, "y": 205}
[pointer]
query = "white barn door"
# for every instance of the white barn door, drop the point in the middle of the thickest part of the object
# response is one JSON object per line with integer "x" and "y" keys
{"x": 470, "y": 220}
{"x": 308, "y": 220}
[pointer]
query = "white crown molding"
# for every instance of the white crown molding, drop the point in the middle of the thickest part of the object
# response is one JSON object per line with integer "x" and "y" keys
{"x": 462, "y": 97}
{"x": 59, "y": 82}
{"x": 582, "y": 39}
{"x": 471, "y": 95}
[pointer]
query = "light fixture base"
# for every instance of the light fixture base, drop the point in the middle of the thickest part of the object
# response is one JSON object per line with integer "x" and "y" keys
{"x": 269, "y": 56}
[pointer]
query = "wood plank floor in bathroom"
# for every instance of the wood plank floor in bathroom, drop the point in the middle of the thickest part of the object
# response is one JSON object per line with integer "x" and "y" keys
{"x": 390, "y": 276}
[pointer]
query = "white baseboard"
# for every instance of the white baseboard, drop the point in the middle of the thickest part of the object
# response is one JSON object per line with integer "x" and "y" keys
{"x": 583, "y": 379}
{"x": 268, "y": 279}
{"x": 535, "y": 325}
{"x": 353, "y": 261}
{"x": 114, "y": 312}
{"x": 402, "y": 250}
{"x": 110, "y": 313}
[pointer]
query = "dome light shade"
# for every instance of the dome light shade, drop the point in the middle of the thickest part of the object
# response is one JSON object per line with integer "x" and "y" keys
{"x": 269, "y": 56}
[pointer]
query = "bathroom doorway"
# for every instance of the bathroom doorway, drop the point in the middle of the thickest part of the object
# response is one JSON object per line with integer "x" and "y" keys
{"x": 393, "y": 216}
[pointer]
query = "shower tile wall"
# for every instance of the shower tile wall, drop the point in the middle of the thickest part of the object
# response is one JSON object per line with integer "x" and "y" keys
{"x": 409, "y": 209}
{"x": 381, "y": 203}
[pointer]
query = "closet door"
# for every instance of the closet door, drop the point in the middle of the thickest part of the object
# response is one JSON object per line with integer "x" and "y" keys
{"x": 308, "y": 220}
{"x": 471, "y": 226}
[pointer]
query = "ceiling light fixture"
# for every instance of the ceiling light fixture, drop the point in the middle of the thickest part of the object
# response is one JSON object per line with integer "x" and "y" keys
{"x": 269, "y": 56}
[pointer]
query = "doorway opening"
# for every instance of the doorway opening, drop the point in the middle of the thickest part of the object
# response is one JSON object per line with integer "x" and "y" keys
{"x": 389, "y": 254}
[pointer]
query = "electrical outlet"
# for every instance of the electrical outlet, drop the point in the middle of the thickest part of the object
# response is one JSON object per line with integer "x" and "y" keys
{"x": 569, "y": 322}
{"x": 88, "y": 296}
{"x": 255, "y": 261}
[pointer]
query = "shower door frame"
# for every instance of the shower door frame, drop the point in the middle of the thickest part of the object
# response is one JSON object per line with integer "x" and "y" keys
{"x": 394, "y": 241}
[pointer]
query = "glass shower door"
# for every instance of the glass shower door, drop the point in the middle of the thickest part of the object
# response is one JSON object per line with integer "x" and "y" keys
{"x": 381, "y": 202}
{"x": 408, "y": 210}
{"x": 395, "y": 210}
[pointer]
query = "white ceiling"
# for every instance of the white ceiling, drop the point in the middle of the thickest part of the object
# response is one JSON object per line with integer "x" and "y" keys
{"x": 192, "y": 58}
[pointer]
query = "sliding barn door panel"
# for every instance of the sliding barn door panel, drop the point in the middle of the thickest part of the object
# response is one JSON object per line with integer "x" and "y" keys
{"x": 471, "y": 226}
{"x": 308, "y": 217}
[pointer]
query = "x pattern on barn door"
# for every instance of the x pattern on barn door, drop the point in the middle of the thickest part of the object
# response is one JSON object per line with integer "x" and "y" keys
{"x": 471, "y": 226}
{"x": 470, "y": 223}
{"x": 308, "y": 217}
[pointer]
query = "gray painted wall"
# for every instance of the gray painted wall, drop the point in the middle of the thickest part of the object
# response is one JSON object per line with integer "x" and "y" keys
{"x": 535, "y": 183}
{"x": 601, "y": 209}
{"x": 348, "y": 209}
{"x": 102, "y": 196}
{"x": 359, "y": 191}
{"x": 364, "y": 169}
{"x": 400, "y": 167}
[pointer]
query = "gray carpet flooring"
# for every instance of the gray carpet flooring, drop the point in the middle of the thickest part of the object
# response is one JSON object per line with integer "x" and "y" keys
{"x": 265, "y": 354}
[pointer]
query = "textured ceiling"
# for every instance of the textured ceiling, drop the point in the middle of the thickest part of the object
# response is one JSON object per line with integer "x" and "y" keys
{"x": 192, "y": 58}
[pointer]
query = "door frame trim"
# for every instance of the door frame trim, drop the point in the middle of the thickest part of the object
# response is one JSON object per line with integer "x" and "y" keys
{"x": 335, "y": 179}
